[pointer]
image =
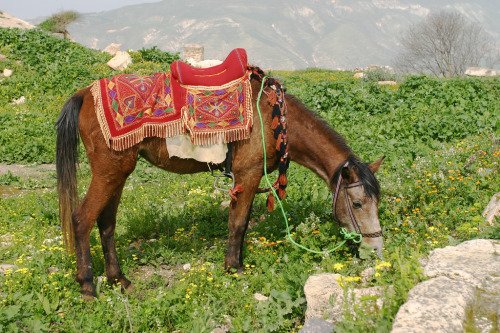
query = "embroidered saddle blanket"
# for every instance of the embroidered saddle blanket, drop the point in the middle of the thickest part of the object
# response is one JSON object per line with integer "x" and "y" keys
{"x": 212, "y": 105}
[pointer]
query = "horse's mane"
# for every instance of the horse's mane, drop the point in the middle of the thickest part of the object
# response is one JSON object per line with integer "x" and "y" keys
{"x": 365, "y": 176}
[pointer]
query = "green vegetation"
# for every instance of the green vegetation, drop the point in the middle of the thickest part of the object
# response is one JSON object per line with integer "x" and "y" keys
{"x": 441, "y": 138}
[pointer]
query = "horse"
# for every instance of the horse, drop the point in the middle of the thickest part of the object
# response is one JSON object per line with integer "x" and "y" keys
{"x": 311, "y": 143}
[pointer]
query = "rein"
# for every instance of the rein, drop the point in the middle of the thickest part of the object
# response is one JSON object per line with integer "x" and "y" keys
{"x": 348, "y": 202}
{"x": 355, "y": 237}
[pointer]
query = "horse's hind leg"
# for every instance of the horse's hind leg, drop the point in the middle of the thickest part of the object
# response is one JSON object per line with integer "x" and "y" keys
{"x": 107, "y": 223}
{"x": 104, "y": 192}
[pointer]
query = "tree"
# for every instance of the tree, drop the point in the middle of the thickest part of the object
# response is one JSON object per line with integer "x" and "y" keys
{"x": 58, "y": 22}
{"x": 444, "y": 44}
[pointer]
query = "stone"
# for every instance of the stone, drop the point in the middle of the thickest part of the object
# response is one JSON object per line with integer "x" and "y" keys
{"x": 112, "y": 48}
{"x": 462, "y": 290}
{"x": 492, "y": 209}
{"x": 321, "y": 288}
{"x": 186, "y": 267}
{"x": 359, "y": 75}
{"x": 52, "y": 270}
{"x": 204, "y": 63}
{"x": 19, "y": 100}
{"x": 120, "y": 61}
{"x": 316, "y": 325}
{"x": 479, "y": 71}
{"x": 223, "y": 328}
{"x": 433, "y": 309}
{"x": 194, "y": 52}
{"x": 7, "y": 72}
{"x": 225, "y": 204}
{"x": 260, "y": 297}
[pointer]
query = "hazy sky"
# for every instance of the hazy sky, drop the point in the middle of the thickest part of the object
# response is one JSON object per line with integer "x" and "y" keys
{"x": 29, "y": 9}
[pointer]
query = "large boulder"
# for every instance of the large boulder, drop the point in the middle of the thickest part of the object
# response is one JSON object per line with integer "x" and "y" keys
{"x": 120, "y": 61}
{"x": 462, "y": 291}
{"x": 320, "y": 289}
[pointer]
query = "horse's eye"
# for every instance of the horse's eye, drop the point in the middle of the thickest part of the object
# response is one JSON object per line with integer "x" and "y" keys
{"x": 357, "y": 204}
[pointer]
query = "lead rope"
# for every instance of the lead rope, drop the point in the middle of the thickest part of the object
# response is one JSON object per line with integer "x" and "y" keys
{"x": 355, "y": 237}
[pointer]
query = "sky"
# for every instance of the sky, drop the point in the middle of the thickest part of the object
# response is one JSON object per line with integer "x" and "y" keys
{"x": 30, "y": 9}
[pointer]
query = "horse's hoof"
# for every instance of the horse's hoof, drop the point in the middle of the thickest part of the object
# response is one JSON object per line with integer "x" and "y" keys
{"x": 130, "y": 289}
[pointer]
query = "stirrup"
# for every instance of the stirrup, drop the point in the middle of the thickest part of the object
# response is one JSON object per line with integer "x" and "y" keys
{"x": 223, "y": 174}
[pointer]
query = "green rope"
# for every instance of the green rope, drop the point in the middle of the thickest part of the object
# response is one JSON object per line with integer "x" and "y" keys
{"x": 353, "y": 235}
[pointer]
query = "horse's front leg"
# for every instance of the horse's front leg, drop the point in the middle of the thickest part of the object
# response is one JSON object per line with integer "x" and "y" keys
{"x": 239, "y": 213}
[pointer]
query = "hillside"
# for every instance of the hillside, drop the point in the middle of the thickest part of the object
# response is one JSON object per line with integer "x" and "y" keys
{"x": 279, "y": 34}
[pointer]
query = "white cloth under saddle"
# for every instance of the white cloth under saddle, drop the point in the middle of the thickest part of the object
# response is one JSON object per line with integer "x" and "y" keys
{"x": 182, "y": 147}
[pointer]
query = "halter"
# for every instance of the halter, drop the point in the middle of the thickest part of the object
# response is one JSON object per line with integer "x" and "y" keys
{"x": 354, "y": 222}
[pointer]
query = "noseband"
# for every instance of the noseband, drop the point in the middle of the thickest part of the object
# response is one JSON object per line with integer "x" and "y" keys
{"x": 348, "y": 202}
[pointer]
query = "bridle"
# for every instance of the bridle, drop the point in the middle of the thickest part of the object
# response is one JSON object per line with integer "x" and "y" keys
{"x": 348, "y": 202}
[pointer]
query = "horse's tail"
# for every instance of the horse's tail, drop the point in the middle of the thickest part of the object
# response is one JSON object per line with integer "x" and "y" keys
{"x": 66, "y": 163}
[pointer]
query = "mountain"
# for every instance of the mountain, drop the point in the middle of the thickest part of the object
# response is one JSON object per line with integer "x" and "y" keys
{"x": 277, "y": 34}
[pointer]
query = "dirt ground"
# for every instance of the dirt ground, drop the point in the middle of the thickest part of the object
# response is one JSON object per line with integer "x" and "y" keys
{"x": 20, "y": 170}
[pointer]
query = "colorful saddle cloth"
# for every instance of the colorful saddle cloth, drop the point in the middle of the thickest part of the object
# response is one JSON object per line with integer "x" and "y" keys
{"x": 213, "y": 105}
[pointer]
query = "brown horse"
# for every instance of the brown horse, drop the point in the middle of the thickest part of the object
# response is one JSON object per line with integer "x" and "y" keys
{"x": 311, "y": 143}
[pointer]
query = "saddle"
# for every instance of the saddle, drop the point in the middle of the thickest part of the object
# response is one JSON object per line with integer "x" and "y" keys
{"x": 213, "y": 105}
{"x": 234, "y": 67}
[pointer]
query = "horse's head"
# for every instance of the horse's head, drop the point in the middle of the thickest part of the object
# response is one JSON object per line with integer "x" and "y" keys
{"x": 355, "y": 202}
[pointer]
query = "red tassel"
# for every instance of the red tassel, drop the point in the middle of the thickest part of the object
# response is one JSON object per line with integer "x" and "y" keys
{"x": 270, "y": 202}
{"x": 282, "y": 180}
{"x": 278, "y": 141}
{"x": 233, "y": 192}
{"x": 271, "y": 98}
{"x": 281, "y": 193}
{"x": 275, "y": 123}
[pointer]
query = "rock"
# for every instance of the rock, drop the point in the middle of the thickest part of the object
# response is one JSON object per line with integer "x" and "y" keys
{"x": 479, "y": 71}
{"x": 225, "y": 204}
{"x": 193, "y": 51}
{"x": 204, "y": 63}
{"x": 19, "y": 100}
{"x": 223, "y": 328}
{"x": 260, "y": 297}
{"x": 367, "y": 276}
{"x": 433, "y": 309}
{"x": 52, "y": 270}
{"x": 186, "y": 267}
{"x": 493, "y": 209}
{"x": 320, "y": 288}
{"x": 387, "y": 83}
{"x": 359, "y": 75}
{"x": 316, "y": 325}
{"x": 7, "y": 72}
{"x": 120, "y": 61}
{"x": 9, "y": 21}
{"x": 463, "y": 290}
{"x": 112, "y": 48}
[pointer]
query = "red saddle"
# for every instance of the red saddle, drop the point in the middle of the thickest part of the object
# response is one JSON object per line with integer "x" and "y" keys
{"x": 234, "y": 67}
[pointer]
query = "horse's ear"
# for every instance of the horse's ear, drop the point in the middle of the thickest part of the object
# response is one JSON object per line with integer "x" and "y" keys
{"x": 375, "y": 165}
{"x": 348, "y": 175}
